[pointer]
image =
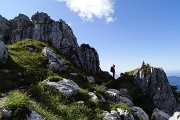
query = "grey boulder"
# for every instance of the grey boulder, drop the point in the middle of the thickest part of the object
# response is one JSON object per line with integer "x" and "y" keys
{"x": 159, "y": 115}
{"x": 56, "y": 64}
{"x": 65, "y": 86}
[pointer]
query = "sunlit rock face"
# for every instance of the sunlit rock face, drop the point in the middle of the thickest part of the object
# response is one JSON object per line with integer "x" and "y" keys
{"x": 154, "y": 82}
{"x": 57, "y": 33}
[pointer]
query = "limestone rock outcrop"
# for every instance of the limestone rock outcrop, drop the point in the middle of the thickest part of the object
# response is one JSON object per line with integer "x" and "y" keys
{"x": 139, "y": 112}
{"x": 176, "y": 116}
{"x": 118, "y": 114}
{"x": 117, "y": 96}
{"x": 91, "y": 58}
{"x": 57, "y": 33}
{"x": 3, "y": 52}
{"x": 4, "y": 26}
{"x": 159, "y": 115}
{"x": 6, "y": 114}
{"x": 65, "y": 86}
{"x": 154, "y": 83}
{"x": 93, "y": 96}
{"x": 55, "y": 63}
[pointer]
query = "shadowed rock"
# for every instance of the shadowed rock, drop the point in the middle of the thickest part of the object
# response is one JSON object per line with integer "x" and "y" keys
{"x": 3, "y": 52}
{"x": 139, "y": 112}
{"x": 159, "y": 115}
{"x": 154, "y": 83}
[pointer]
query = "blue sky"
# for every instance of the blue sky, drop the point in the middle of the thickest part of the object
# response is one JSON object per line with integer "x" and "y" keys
{"x": 124, "y": 32}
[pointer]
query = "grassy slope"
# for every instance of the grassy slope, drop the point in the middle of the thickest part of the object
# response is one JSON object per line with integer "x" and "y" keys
{"x": 29, "y": 68}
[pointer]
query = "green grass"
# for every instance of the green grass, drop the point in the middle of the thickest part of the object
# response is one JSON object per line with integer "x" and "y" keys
{"x": 121, "y": 105}
{"x": 54, "y": 78}
{"x": 100, "y": 91}
{"x": 133, "y": 71}
{"x": 61, "y": 106}
{"x": 18, "y": 103}
{"x": 30, "y": 68}
{"x": 26, "y": 67}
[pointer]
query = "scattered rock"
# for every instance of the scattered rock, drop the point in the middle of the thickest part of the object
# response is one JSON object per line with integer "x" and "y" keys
{"x": 126, "y": 100}
{"x": 176, "y": 116}
{"x": 30, "y": 48}
{"x": 4, "y": 70}
{"x": 115, "y": 96}
{"x": 65, "y": 86}
{"x": 120, "y": 114}
{"x": 20, "y": 74}
{"x": 55, "y": 64}
{"x": 125, "y": 114}
{"x": 80, "y": 102}
{"x": 93, "y": 97}
{"x": 73, "y": 74}
{"x": 139, "y": 112}
{"x": 6, "y": 113}
{"x": 35, "y": 116}
{"x": 113, "y": 92}
{"x": 90, "y": 79}
{"x": 113, "y": 116}
{"x": 159, "y": 115}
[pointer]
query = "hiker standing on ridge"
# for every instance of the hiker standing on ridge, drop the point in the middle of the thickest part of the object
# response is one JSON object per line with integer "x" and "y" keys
{"x": 113, "y": 71}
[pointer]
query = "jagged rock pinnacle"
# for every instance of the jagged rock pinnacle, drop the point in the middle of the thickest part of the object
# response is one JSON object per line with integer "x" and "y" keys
{"x": 57, "y": 33}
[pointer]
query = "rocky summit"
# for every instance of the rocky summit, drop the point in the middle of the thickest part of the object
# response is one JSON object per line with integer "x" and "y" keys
{"x": 57, "y": 33}
{"x": 153, "y": 82}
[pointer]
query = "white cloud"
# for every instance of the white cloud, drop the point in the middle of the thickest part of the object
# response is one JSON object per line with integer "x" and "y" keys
{"x": 89, "y": 9}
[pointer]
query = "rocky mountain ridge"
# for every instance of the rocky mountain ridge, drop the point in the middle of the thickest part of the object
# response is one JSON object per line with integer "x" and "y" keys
{"x": 57, "y": 33}
{"x": 63, "y": 92}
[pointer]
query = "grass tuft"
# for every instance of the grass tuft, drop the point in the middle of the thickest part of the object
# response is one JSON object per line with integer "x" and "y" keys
{"x": 18, "y": 103}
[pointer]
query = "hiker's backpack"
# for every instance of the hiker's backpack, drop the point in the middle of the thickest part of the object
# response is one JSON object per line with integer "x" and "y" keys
{"x": 112, "y": 69}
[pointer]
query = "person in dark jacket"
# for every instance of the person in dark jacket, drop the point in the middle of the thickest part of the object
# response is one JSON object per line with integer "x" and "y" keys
{"x": 113, "y": 71}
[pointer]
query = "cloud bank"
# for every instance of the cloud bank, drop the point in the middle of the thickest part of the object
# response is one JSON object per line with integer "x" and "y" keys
{"x": 89, "y": 9}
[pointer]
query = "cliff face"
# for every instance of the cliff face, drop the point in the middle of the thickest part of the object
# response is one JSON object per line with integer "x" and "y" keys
{"x": 58, "y": 33}
{"x": 154, "y": 82}
{"x": 3, "y": 52}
